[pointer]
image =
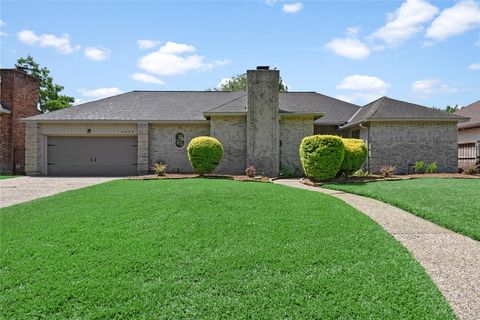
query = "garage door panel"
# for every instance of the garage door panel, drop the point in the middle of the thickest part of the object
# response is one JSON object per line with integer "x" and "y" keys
{"x": 92, "y": 156}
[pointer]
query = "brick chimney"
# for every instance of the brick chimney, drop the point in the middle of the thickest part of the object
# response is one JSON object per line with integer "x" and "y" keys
{"x": 263, "y": 128}
{"x": 18, "y": 99}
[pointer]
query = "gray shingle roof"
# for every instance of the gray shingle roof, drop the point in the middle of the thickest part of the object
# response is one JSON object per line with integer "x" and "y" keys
{"x": 471, "y": 111}
{"x": 191, "y": 105}
{"x": 390, "y": 109}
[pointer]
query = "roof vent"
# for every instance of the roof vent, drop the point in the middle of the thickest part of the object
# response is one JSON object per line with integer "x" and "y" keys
{"x": 263, "y": 67}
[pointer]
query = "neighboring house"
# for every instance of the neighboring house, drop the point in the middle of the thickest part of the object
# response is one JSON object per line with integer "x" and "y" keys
{"x": 127, "y": 133}
{"x": 469, "y": 135}
{"x": 18, "y": 99}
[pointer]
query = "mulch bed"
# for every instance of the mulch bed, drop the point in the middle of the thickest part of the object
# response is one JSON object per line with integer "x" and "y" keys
{"x": 242, "y": 178}
{"x": 317, "y": 183}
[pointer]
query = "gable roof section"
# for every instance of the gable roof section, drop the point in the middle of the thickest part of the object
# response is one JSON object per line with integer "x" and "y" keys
{"x": 388, "y": 109}
{"x": 195, "y": 106}
{"x": 144, "y": 106}
{"x": 335, "y": 111}
{"x": 471, "y": 111}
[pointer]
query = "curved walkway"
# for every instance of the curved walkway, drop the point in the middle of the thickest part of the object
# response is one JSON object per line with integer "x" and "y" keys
{"x": 452, "y": 260}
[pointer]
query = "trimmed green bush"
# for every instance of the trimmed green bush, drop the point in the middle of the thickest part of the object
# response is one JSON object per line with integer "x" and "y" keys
{"x": 322, "y": 156}
{"x": 204, "y": 154}
{"x": 432, "y": 167}
{"x": 355, "y": 155}
{"x": 419, "y": 166}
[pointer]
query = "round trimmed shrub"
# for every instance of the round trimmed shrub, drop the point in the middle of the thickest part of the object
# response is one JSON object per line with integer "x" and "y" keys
{"x": 355, "y": 155}
{"x": 204, "y": 154}
{"x": 321, "y": 156}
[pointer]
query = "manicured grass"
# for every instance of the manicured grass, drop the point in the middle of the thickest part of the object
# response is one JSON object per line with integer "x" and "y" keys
{"x": 451, "y": 203}
{"x": 205, "y": 249}
{"x": 7, "y": 177}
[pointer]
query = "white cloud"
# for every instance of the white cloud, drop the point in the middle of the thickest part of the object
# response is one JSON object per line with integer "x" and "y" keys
{"x": 362, "y": 87}
{"x": 349, "y": 48}
{"x": 143, "y": 77}
{"x": 427, "y": 87}
{"x": 78, "y": 101}
{"x": 2, "y": 23}
{"x": 176, "y": 48}
{"x": 176, "y": 58}
{"x": 100, "y": 93}
{"x": 474, "y": 66}
{"x": 271, "y": 2}
{"x": 455, "y": 20}
{"x": 223, "y": 82}
{"x": 147, "y": 43}
{"x": 60, "y": 43}
{"x": 353, "y": 31}
{"x": 292, "y": 7}
{"x": 405, "y": 22}
{"x": 97, "y": 53}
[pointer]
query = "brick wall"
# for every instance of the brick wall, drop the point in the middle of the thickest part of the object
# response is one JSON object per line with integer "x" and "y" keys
{"x": 401, "y": 144}
{"x": 292, "y": 131}
{"x": 231, "y": 131}
{"x": 19, "y": 94}
{"x": 162, "y": 144}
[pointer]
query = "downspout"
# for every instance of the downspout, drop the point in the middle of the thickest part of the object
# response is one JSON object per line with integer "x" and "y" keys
{"x": 361, "y": 126}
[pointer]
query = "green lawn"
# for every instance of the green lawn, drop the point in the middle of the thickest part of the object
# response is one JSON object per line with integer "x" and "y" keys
{"x": 451, "y": 203}
{"x": 6, "y": 177}
{"x": 205, "y": 249}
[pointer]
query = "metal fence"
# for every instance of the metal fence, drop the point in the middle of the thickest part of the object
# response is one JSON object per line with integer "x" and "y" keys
{"x": 468, "y": 154}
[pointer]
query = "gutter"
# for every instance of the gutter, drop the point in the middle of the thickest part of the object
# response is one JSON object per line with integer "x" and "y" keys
{"x": 27, "y": 120}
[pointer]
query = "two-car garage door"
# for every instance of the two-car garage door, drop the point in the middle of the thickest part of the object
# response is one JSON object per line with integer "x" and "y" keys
{"x": 92, "y": 155}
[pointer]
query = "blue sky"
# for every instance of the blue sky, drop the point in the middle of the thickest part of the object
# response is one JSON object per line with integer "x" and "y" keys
{"x": 413, "y": 50}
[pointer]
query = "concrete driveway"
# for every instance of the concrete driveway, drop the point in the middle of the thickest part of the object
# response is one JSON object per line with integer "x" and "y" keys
{"x": 22, "y": 189}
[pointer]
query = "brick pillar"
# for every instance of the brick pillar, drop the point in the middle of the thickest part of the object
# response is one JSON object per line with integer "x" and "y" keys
{"x": 33, "y": 149}
{"x": 142, "y": 145}
{"x": 263, "y": 127}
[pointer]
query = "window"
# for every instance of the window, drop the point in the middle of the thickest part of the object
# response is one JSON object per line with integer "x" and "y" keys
{"x": 180, "y": 140}
{"x": 356, "y": 134}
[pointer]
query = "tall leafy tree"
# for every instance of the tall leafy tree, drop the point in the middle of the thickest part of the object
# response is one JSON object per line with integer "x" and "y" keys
{"x": 239, "y": 82}
{"x": 452, "y": 109}
{"x": 49, "y": 96}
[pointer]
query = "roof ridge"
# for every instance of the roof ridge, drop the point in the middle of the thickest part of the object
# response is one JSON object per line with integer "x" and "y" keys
{"x": 197, "y": 91}
{"x": 223, "y": 104}
{"x": 376, "y": 105}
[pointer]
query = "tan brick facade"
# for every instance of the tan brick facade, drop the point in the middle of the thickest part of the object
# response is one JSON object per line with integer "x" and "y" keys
{"x": 292, "y": 131}
{"x": 401, "y": 144}
{"x": 162, "y": 146}
{"x": 231, "y": 131}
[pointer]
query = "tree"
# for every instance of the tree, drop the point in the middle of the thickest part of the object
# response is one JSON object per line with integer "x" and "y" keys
{"x": 49, "y": 93}
{"x": 452, "y": 109}
{"x": 239, "y": 82}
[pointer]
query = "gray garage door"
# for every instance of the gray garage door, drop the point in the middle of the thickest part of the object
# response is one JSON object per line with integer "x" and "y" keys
{"x": 92, "y": 156}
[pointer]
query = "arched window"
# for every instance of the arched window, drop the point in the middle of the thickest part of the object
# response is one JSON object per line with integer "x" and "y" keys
{"x": 180, "y": 140}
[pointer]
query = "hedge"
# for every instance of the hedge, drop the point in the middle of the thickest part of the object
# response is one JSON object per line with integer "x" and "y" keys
{"x": 322, "y": 156}
{"x": 355, "y": 155}
{"x": 204, "y": 154}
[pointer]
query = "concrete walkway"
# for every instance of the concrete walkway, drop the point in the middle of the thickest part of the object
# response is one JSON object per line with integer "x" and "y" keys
{"x": 21, "y": 189}
{"x": 452, "y": 260}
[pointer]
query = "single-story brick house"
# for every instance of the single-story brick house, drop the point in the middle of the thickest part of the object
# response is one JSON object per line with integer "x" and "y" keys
{"x": 469, "y": 135}
{"x": 127, "y": 133}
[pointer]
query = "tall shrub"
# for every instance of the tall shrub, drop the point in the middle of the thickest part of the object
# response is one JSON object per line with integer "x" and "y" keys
{"x": 355, "y": 155}
{"x": 204, "y": 154}
{"x": 322, "y": 156}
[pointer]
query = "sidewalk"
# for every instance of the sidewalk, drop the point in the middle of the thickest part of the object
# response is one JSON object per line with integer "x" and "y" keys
{"x": 452, "y": 260}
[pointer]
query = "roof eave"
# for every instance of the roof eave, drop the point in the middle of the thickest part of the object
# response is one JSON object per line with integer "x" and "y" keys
{"x": 109, "y": 121}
